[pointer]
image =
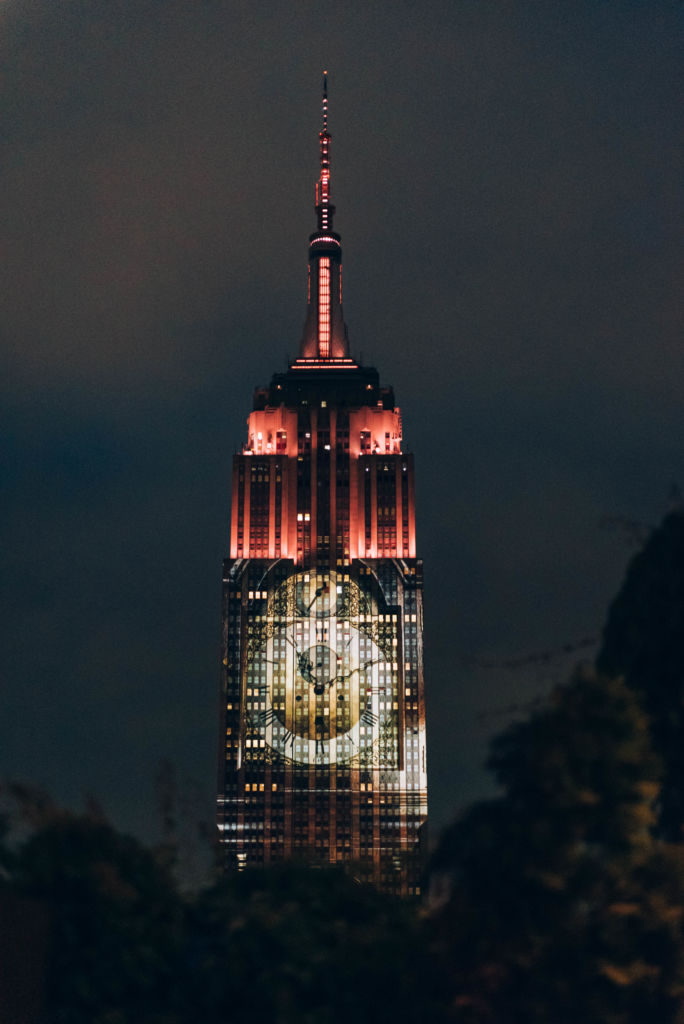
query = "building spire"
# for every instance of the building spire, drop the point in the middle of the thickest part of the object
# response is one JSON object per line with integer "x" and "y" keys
{"x": 325, "y": 334}
{"x": 324, "y": 207}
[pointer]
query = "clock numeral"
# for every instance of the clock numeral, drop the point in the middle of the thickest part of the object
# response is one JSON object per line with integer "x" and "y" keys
{"x": 266, "y": 717}
{"x": 369, "y": 717}
{"x": 289, "y": 738}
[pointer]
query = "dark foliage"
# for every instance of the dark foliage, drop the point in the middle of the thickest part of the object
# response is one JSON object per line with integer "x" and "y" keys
{"x": 290, "y": 943}
{"x": 115, "y": 923}
{"x": 299, "y": 944}
{"x": 557, "y": 906}
{"x": 551, "y": 904}
{"x": 643, "y": 640}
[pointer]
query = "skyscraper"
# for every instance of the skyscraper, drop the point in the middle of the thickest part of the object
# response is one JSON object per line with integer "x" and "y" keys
{"x": 322, "y": 753}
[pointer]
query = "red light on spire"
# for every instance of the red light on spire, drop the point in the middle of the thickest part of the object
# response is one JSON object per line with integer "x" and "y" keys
{"x": 324, "y": 208}
{"x": 325, "y": 334}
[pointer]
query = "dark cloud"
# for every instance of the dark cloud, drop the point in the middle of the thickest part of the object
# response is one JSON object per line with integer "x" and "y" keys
{"x": 507, "y": 178}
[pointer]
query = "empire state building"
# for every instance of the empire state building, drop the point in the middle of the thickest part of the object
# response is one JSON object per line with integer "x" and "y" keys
{"x": 322, "y": 750}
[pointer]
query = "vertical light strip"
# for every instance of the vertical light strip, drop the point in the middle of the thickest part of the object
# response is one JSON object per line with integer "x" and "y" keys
{"x": 324, "y": 307}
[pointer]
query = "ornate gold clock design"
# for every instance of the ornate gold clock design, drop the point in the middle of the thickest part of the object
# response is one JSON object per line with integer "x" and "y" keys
{"x": 321, "y": 676}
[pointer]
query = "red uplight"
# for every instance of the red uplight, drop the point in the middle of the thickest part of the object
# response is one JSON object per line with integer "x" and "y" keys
{"x": 324, "y": 307}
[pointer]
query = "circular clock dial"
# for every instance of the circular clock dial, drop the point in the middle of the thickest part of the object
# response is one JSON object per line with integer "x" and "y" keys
{"x": 319, "y": 692}
{"x": 317, "y": 595}
{"x": 318, "y": 666}
{"x": 321, "y": 671}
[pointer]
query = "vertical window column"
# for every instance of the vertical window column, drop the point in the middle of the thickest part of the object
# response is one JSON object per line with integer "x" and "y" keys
{"x": 404, "y": 509}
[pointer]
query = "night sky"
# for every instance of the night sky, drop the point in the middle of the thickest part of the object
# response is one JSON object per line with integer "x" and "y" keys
{"x": 507, "y": 177}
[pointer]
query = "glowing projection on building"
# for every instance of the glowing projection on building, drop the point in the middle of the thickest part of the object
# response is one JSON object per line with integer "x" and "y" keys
{"x": 322, "y": 753}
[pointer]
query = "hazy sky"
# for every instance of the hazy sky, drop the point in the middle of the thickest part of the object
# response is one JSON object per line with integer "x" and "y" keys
{"x": 507, "y": 177}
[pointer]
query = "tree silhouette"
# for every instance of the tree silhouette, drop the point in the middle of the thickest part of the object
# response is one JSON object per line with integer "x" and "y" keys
{"x": 302, "y": 945}
{"x": 643, "y": 640}
{"x": 553, "y": 902}
{"x": 115, "y": 923}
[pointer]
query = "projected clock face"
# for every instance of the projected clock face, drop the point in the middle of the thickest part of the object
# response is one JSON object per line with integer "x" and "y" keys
{"x": 320, "y": 677}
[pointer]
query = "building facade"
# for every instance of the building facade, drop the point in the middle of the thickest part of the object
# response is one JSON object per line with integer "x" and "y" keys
{"x": 323, "y": 747}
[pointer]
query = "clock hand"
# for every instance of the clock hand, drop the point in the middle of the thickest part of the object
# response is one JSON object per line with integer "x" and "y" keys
{"x": 304, "y": 663}
{"x": 323, "y": 589}
{"x": 305, "y": 666}
{"x": 359, "y": 668}
{"x": 303, "y": 660}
